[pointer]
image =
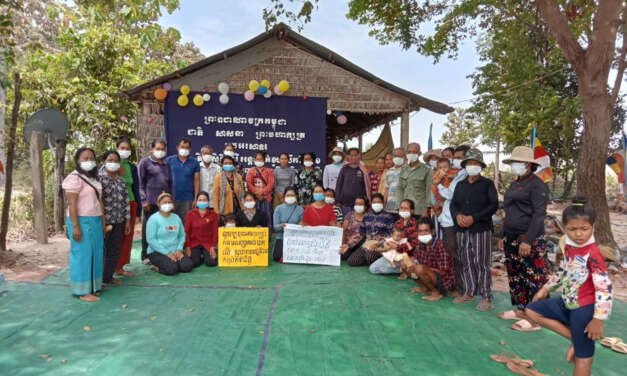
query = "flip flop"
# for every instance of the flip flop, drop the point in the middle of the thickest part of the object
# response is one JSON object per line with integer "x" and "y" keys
{"x": 484, "y": 307}
{"x": 462, "y": 300}
{"x": 620, "y": 347}
{"x": 610, "y": 341}
{"x": 525, "y": 326}
{"x": 509, "y": 315}
{"x": 521, "y": 370}
{"x": 506, "y": 357}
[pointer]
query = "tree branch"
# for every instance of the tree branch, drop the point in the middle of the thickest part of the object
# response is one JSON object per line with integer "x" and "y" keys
{"x": 622, "y": 61}
{"x": 558, "y": 24}
{"x": 603, "y": 38}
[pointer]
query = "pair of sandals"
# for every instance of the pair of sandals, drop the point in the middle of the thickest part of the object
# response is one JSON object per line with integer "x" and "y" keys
{"x": 516, "y": 365}
{"x": 615, "y": 344}
{"x": 521, "y": 325}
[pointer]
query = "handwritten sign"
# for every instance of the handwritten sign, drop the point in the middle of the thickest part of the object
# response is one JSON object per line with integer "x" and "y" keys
{"x": 242, "y": 246}
{"x": 318, "y": 245}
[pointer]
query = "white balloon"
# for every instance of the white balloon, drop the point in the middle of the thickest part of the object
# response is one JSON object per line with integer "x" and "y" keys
{"x": 224, "y": 99}
{"x": 329, "y": 112}
{"x": 268, "y": 94}
{"x": 223, "y": 87}
{"x": 206, "y": 97}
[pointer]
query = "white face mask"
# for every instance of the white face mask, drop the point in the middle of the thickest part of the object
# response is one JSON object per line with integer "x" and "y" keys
{"x": 337, "y": 158}
{"x": 112, "y": 166}
{"x": 124, "y": 154}
{"x": 377, "y": 207}
{"x": 229, "y": 153}
{"x": 398, "y": 161}
{"x": 229, "y": 225}
{"x": 433, "y": 163}
{"x": 329, "y": 200}
{"x": 207, "y": 158}
{"x": 519, "y": 168}
{"x": 412, "y": 158}
{"x": 359, "y": 209}
{"x": 88, "y": 165}
{"x": 473, "y": 170}
{"x": 457, "y": 163}
{"x": 166, "y": 208}
{"x": 308, "y": 163}
{"x": 159, "y": 154}
{"x": 424, "y": 239}
{"x": 249, "y": 204}
{"x": 404, "y": 214}
{"x": 183, "y": 152}
{"x": 290, "y": 200}
{"x": 258, "y": 164}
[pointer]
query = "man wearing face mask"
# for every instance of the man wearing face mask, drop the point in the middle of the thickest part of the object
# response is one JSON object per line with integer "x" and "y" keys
{"x": 208, "y": 172}
{"x": 474, "y": 202}
{"x": 352, "y": 182}
{"x": 154, "y": 179}
{"x": 389, "y": 181}
{"x": 185, "y": 177}
{"x": 415, "y": 181}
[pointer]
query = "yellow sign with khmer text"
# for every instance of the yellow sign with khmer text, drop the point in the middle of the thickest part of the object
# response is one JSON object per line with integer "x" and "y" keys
{"x": 242, "y": 246}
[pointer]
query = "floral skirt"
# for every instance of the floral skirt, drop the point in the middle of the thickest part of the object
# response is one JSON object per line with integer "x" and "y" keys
{"x": 526, "y": 275}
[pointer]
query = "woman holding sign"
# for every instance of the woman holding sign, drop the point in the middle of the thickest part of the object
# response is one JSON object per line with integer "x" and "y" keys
{"x": 201, "y": 232}
{"x": 319, "y": 213}
{"x": 260, "y": 181}
{"x": 288, "y": 212}
{"x": 250, "y": 216}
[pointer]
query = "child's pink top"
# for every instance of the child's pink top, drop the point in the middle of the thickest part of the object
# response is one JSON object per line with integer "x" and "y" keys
{"x": 88, "y": 203}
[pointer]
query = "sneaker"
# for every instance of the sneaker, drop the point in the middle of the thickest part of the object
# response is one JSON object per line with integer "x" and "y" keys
{"x": 146, "y": 261}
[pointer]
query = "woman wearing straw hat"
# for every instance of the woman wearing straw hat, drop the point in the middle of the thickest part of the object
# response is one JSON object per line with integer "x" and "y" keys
{"x": 525, "y": 205}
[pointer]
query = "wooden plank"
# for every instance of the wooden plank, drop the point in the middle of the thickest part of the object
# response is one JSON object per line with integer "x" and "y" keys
{"x": 405, "y": 129}
{"x": 39, "y": 201}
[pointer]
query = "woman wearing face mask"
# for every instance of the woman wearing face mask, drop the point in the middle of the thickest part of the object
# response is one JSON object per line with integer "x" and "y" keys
{"x": 128, "y": 172}
{"x": 329, "y": 198}
{"x": 228, "y": 190}
{"x": 249, "y": 216}
{"x": 260, "y": 181}
{"x": 376, "y": 226}
{"x": 408, "y": 224}
{"x": 117, "y": 212}
{"x": 201, "y": 232}
{"x": 166, "y": 239}
{"x": 288, "y": 212}
{"x": 525, "y": 205}
{"x": 376, "y": 175}
{"x": 229, "y": 151}
{"x": 307, "y": 178}
{"x": 332, "y": 170}
{"x": 431, "y": 158}
{"x": 319, "y": 213}
{"x": 352, "y": 223}
{"x": 85, "y": 226}
{"x": 474, "y": 202}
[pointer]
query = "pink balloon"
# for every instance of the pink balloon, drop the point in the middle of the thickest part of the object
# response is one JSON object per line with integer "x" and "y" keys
{"x": 342, "y": 119}
{"x": 277, "y": 91}
{"x": 249, "y": 95}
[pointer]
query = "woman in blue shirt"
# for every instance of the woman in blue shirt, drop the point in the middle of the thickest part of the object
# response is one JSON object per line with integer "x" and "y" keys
{"x": 288, "y": 212}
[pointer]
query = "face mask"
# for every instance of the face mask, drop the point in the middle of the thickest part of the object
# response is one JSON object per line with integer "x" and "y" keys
{"x": 87, "y": 165}
{"x": 359, "y": 209}
{"x": 228, "y": 167}
{"x": 404, "y": 214}
{"x": 519, "y": 169}
{"x": 259, "y": 164}
{"x": 202, "y": 205}
{"x": 308, "y": 163}
{"x": 229, "y": 225}
{"x": 207, "y": 158}
{"x": 412, "y": 158}
{"x": 433, "y": 163}
{"x": 290, "y": 200}
{"x": 377, "y": 207}
{"x": 124, "y": 154}
{"x": 166, "y": 208}
{"x": 337, "y": 158}
{"x": 318, "y": 196}
{"x": 424, "y": 239}
{"x": 329, "y": 200}
{"x": 249, "y": 204}
{"x": 159, "y": 154}
{"x": 457, "y": 163}
{"x": 473, "y": 170}
{"x": 229, "y": 153}
{"x": 112, "y": 166}
{"x": 398, "y": 161}
{"x": 183, "y": 152}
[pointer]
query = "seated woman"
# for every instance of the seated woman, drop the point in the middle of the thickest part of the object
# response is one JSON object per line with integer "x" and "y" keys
{"x": 319, "y": 213}
{"x": 249, "y": 216}
{"x": 352, "y": 223}
{"x": 165, "y": 236}
{"x": 376, "y": 226}
{"x": 230, "y": 220}
{"x": 329, "y": 198}
{"x": 201, "y": 232}
{"x": 288, "y": 212}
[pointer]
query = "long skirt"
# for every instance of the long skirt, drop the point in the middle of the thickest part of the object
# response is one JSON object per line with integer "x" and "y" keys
{"x": 86, "y": 256}
{"x": 127, "y": 240}
{"x": 475, "y": 251}
{"x": 266, "y": 207}
{"x": 526, "y": 275}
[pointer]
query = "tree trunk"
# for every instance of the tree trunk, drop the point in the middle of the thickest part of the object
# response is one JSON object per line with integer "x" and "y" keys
{"x": 59, "y": 175}
{"x": 497, "y": 170}
{"x": 8, "y": 169}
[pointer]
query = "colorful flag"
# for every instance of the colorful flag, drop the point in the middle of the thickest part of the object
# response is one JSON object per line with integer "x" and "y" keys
{"x": 617, "y": 164}
{"x": 544, "y": 171}
{"x": 430, "y": 142}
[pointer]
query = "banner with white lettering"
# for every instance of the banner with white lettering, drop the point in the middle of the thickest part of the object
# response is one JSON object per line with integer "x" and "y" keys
{"x": 318, "y": 245}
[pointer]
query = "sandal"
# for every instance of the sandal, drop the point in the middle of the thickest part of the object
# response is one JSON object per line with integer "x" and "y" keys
{"x": 610, "y": 341}
{"x": 508, "y": 315}
{"x": 620, "y": 347}
{"x": 525, "y": 326}
{"x": 484, "y": 306}
{"x": 506, "y": 357}
{"x": 521, "y": 370}
{"x": 463, "y": 299}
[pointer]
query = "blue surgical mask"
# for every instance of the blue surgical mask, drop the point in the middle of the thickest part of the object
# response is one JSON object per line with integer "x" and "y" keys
{"x": 228, "y": 168}
{"x": 202, "y": 205}
{"x": 318, "y": 196}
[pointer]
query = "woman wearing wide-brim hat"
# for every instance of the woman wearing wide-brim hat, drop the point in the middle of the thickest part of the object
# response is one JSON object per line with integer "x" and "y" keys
{"x": 525, "y": 205}
{"x": 474, "y": 202}
{"x": 432, "y": 155}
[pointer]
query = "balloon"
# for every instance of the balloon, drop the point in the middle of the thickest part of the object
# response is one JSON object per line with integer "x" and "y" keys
{"x": 161, "y": 94}
{"x": 268, "y": 94}
{"x": 123, "y": 118}
{"x": 198, "y": 101}
{"x": 224, "y": 99}
{"x": 149, "y": 120}
{"x": 206, "y": 97}
{"x": 263, "y": 89}
{"x": 329, "y": 112}
{"x": 342, "y": 119}
{"x": 284, "y": 86}
{"x": 265, "y": 83}
{"x": 184, "y": 89}
{"x": 223, "y": 87}
{"x": 167, "y": 86}
{"x": 249, "y": 96}
{"x": 253, "y": 85}
{"x": 182, "y": 100}
{"x": 277, "y": 91}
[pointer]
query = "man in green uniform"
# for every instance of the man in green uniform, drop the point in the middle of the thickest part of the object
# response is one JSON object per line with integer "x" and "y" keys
{"x": 415, "y": 181}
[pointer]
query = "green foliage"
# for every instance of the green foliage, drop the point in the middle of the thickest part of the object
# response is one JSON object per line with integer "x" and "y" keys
{"x": 299, "y": 15}
{"x": 7, "y": 8}
{"x": 461, "y": 129}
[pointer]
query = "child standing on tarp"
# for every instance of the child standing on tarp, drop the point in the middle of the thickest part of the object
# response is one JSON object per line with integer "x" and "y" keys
{"x": 587, "y": 290}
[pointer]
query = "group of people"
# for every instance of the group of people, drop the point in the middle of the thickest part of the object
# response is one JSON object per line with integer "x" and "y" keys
{"x": 429, "y": 220}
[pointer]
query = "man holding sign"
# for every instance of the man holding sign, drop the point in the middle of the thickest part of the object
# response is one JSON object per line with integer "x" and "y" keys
{"x": 312, "y": 245}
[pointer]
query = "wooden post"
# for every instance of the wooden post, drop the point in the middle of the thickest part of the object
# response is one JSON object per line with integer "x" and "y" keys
{"x": 39, "y": 200}
{"x": 360, "y": 140}
{"x": 59, "y": 174}
{"x": 405, "y": 129}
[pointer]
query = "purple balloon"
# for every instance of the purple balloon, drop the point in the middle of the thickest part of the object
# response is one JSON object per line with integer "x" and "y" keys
{"x": 167, "y": 86}
{"x": 342, "y": 119}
